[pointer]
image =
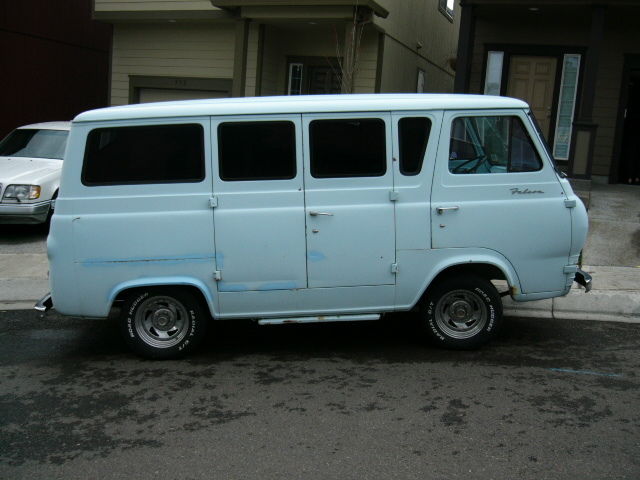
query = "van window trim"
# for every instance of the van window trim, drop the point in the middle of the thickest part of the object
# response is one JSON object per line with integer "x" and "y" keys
{"x": 138, "y": 124}
{"x": 524, "y": 118}
{"x": 253, "y": 120}
{"x": 384, "y": 115}
{"x": 401, "y": 115}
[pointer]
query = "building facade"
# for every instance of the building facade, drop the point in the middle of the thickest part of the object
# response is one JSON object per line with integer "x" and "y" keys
{"x": 55, "y": 61}
{"x": 577, "y": 63}
{"x": 184, "y": 49}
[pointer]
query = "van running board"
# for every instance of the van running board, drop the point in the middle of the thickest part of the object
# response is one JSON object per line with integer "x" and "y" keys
{"x": 319, "y": 319}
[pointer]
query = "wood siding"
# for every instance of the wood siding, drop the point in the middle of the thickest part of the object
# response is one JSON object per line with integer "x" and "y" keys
{"x": 418, "y": 36}
{"x": 252, "y": 60}
{"x": 173, "y": 50}
{"x": 400, "y": 71}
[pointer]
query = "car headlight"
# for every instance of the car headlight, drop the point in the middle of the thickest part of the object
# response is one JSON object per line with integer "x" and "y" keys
{"x": 22, "y": 192}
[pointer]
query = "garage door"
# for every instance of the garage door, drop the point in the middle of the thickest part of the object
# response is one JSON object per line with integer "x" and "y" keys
{"x": 166, "y": 94}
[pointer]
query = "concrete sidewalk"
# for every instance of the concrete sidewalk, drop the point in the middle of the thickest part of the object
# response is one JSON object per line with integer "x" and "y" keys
{"x": 23, "y": 279}
{"x": 611, "y": 256}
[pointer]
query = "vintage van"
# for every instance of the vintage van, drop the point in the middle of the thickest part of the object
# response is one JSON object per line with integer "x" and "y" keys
{"x": 310, "y": 209}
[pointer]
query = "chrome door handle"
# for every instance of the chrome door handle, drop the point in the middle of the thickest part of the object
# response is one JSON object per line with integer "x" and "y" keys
{"x": 315, "y": 214}
{"x": 441, "y": 210}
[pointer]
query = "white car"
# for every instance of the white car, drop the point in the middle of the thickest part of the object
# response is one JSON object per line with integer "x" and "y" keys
{"x": 30, "y": 165}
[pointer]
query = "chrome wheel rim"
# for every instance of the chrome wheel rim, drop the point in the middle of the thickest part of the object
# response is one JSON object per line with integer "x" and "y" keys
{"x": 162, "y": 322}
{"x": 461, "y": 314}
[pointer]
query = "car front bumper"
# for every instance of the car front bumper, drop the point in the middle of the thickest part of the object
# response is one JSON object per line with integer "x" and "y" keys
{"x": 24, "y": 213}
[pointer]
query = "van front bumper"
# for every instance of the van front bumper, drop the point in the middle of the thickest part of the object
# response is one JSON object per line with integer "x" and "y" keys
{"x": 44, "y": 304}
{"x": 584, "y": 279}
{"x": 24, "y": 213}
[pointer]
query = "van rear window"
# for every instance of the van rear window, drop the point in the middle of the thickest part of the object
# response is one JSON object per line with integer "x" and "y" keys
{"x": 413, "y": 135}
{"x": 147, "y": 154}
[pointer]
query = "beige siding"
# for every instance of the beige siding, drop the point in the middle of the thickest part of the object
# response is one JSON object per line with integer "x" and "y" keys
{"x": 272, "y": 62}
{"x": 365, "y": 79}
{"x": 428, "y": 38}
{"x": 173, "y": 50}
{"x": 252, "y": 60}
{"x": 152, "y": 5}
{"x": 400, "y": 71}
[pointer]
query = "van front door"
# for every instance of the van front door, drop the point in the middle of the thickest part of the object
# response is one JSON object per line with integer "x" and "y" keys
{"x": 493, "y": 191}
{"x": 348, "y": 200}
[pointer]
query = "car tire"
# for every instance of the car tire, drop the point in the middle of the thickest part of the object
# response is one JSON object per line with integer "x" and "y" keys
{"x": 163, "y": 323}
{"x": 461, "y": 312}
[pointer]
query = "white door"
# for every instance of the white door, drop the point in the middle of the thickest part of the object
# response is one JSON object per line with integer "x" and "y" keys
{"x": 493, "y": 191}
{"x": 348, "y": 208}
{"x": 259, "y": 218}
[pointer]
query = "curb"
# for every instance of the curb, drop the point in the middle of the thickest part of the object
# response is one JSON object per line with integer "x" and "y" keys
{"x": 18, "y": 305}
{"x": 599, "y": 305}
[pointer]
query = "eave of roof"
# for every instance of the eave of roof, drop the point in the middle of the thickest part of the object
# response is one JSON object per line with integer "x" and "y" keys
{"x": 378, "y": 9}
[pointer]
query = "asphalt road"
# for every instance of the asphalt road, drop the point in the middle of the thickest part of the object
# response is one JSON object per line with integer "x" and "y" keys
{"x": 547, "y": 400}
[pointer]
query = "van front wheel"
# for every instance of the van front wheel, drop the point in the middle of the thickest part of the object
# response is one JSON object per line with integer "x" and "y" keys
{"x": 163, "y": 323}
{"x": 462, "y": 312}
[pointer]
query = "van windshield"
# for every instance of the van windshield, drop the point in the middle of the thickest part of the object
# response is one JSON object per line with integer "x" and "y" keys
{"x": 34, "y": 143}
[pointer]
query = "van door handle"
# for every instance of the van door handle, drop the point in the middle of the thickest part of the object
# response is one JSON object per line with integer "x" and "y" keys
{"x": 315, "y": 214}
{"x": 441, "y": 210}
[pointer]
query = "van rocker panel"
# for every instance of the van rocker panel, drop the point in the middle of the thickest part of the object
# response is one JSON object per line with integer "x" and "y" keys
{"x": 308, "y": 301}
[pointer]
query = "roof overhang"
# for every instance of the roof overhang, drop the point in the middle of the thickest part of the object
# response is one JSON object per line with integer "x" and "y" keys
{"x": 537, "y": 3}
{"x": 154, "y": 16}
{"x": 281, "y": 6}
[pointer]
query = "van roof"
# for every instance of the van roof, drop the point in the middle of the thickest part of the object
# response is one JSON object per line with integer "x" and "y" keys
{"x": 48, "y": 126}
{"x": 300, "y": 104}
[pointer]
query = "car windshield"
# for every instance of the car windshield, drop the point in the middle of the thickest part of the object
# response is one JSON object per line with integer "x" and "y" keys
{"x": 34, "y": 143}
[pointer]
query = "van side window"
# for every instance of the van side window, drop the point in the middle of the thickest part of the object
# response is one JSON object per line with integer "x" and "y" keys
{"x": 491, "y": 145}
{"x": 413, "y": 133}
{"x": 354, "y": 147}
{"x": 149, "y": 154}
{"x": 257, "y": 150}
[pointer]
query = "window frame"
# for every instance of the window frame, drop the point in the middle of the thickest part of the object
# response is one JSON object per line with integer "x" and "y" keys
{"x": 350, "y": 117}
{"x": 400, "y": 143}
{"x": 527, "y": 128}
{"x": 306, "y": 63}
{"x": 203, "y": 130}
{"x": 255, "y": 120}
{"x": 572, "y": 101}
{"x": 449, "y": 13}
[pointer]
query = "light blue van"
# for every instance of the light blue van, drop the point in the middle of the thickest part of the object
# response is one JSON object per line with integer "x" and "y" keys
{"x": 310, "y": 209}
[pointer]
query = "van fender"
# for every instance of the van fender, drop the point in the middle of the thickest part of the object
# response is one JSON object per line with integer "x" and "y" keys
{"x": 165, "y": 282}
{"x": 447, "y": 258}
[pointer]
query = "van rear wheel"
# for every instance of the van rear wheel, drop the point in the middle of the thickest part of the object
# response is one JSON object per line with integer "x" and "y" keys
{"x": 462, "y": 312}
{"x": 163, "y": 323}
